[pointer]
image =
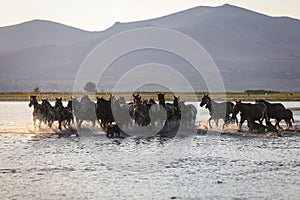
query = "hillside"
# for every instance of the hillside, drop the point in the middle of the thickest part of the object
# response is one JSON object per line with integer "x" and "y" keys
{"x": 251, "y": 50}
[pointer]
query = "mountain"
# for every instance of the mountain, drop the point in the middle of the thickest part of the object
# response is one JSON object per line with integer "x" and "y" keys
{"x": 251, "y": 50}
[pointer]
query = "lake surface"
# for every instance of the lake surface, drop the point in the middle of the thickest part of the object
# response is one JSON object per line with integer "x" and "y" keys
{"x": 95, "y": 167}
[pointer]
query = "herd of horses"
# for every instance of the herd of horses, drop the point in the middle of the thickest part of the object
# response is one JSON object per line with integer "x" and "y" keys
{"x": 118, "y": 113}
{"x": 114, "y": 111}
{"x": 259, "y": 111}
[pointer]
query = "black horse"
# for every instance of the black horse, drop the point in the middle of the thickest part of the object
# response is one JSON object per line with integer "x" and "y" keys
{"x": 121, "y": 113}
{"x": 38, "y": 112}
{"x": 172, "y": 110}
{"x": 188, "y": 113}
{"x": 85, "y": 110}
{"x": 157, "y": 113}
{"x": 50, "y": 112}
{"x": 104, "y": 112}
{"x": 62, "y": 113}
{"x": 250, "y": 112}
{"x": 217, "y": 110}
{"x": 141, "y": 111}
{"x": 273, "y": 109}
{"x": 287, "y": 116}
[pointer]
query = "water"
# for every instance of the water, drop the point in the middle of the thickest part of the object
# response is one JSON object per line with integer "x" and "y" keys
{"x": 94, "y": 167}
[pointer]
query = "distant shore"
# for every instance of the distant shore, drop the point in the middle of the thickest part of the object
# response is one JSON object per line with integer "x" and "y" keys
{"x": 230, "y": 96}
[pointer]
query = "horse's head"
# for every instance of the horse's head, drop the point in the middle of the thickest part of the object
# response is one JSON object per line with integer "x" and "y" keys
{"x": 70, "y": 104}
{"x": 32, "y": 100}
{"x": 236, "y": 108}
{"x": 151, "y": 101}
{"x": 205, "y": 100}
{"x": 161, "y": 98}
{"x": 145, "y": 101}
{"x": 121, "y": 100}
{"x": 137, "y": 99}
{"x": 85, "y": 98}
{"x": 175, "y": 101}
{"x": 45, "y": 103}
{"x": 58, "y": 102}
{"x": 259, "y": 101}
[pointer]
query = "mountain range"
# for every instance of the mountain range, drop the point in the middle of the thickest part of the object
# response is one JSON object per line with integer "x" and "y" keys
{"x": 251, "y": 50}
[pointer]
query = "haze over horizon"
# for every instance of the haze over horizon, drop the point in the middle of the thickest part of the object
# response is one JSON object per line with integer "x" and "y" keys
{"x": 100, "y": 15}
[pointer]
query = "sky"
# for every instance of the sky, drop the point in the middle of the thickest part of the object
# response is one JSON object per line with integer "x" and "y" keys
{"x": 96, "y": 15}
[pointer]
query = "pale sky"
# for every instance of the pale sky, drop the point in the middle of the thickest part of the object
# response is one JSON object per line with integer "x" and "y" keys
{"x": 96, "y": 15}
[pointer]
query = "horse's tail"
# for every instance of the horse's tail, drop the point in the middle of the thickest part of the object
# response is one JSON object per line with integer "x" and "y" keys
{"x": 293, "y": 118}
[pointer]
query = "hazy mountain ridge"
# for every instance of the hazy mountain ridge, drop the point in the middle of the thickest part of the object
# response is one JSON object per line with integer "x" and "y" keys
{"x": 252, "y": 50}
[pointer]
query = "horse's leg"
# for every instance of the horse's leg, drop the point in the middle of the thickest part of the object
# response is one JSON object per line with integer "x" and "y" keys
{"x": 241, "y": 123}
{"x": 59, "y": 124}
{"x": 50, "y": 123}
{"x": 224, "y": 124}
{"x": 288, "y": 123}
{"x": 79, "y": 121}
{"x": 217, "y": 122}
{"x": 277, "y": 124}
{"x": 40, "y": 123}
{"x": 34, "y": 123}
{"x": 209, "y": 124}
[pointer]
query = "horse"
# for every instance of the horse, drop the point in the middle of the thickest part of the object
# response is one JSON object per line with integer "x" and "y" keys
{"x": 256, "y": 127}
{"x": 287, "y": 116}
{"x": 157, "y": 113}
{"x": 250, "y": 112}
{"x": 171, "y": 110}
{"x": 260, "y": 128}
{"x": 177, "y": 109}
{"x": 121, "y": 112}
{"x": 38, "y": 112}
{"x": 104, "y": 112}
{"x": 85, "y": 110}
{"x": 273, "y": 109}
{"x": 188, "y": 113}
{"x": 62, "y": 113}
{"x": 70, "y": 109}
{"x": 51, "y": 114}
{"x": 217, "y": 110}
{"x": 141, "y": 111}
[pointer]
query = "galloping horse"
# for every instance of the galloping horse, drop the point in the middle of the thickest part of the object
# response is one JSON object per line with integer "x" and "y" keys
{"x": 121, "y": 112}
{"x": 38, "y": 113}
{"x": 141, "y": 111}
{"x": 172, "y": 110}
{"x": 104, "y": 112}
{"x": 217, "y": 110}
{"x": 51, "y": 114}
{"x": 85, "y": 110}
{"x": 62, "y": 113}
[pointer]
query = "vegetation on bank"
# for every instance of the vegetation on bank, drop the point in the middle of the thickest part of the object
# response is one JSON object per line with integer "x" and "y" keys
{"x": 230, "y": 96}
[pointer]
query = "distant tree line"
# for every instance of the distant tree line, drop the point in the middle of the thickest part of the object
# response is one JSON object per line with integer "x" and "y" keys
{"x": 260, "y": 91}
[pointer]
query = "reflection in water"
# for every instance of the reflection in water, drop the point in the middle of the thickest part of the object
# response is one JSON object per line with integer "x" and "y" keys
{"x": 94, "y": 167}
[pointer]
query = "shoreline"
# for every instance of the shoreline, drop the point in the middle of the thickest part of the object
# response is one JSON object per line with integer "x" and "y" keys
{"x": 192, "y": 97}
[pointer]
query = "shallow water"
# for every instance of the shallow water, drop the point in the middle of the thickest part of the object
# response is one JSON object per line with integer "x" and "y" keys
{"x": 94, "y": 167}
